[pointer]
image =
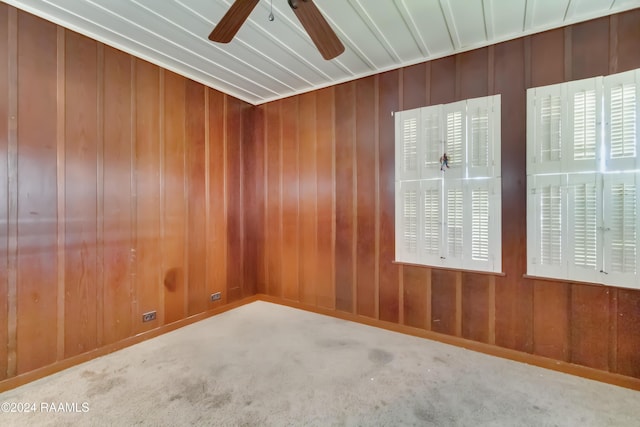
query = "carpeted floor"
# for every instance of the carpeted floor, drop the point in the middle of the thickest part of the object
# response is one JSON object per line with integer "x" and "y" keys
{"x": 268, "y": 365}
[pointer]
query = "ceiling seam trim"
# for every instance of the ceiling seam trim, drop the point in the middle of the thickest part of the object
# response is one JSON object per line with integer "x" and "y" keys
{"x": 375, "y": 30}
{"x": 196, "y": 36}
{"x": 275, "y": 40}
{"x": 413, "y": 27}
{"x": 450, "y": 24}
{"x": 128, "y": 49}
{"x": 174, "y": 44}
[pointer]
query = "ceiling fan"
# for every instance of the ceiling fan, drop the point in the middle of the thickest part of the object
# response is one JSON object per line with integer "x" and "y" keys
{"x": 309, "y": 15}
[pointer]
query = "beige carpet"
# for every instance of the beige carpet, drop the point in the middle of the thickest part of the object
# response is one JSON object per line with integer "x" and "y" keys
{"x": 268, "y": 365}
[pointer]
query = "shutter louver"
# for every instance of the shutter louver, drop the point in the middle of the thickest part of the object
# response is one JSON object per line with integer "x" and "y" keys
{"x": 410, "y": 217}
{"x": 584, "y": 125}
{"x": 455, "y": 133}
{"x": 551, "y": 127}
{"x": 431, "y": 221}
{"x": 455, "y": 209}
{"x": 546, "y": 129}
{"x": 479, "y": 137}
{"x": 621, "y": 106}
{"x": 623, "y": 228}
{"x": 585, "y": 226}
{"x": 433, "y": 145}
{"x": 454, "y": 138}
{"x": 408, "y": 135}
{"x": 551, "y": 225}
{"x": 480, "y": 225}
{"x": 623, "y": 121}
{"x": 410, "y": 144}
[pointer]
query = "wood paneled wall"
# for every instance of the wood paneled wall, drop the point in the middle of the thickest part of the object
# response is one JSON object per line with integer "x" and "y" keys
{"x": 326, "y": 227}
{"x": 121, "y": 192}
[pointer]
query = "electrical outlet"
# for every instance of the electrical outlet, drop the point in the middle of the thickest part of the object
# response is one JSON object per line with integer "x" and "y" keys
{"x": 148, "y": 317}
{"x": 216, "y": 296}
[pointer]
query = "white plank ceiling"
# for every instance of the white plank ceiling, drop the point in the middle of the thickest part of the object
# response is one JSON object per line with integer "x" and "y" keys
{"x": 272, "y": 60}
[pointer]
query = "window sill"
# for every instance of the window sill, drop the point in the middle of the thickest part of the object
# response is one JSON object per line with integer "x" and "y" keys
{"x": 576, "y": 282}
{"x": 461, "y": 270}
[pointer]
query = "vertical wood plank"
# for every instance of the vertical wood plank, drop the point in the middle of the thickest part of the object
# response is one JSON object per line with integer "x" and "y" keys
{"x": 492, "y": 310}
{"x": 590, "y": 48}
{"x": 613, "y": 44}
{"x": 613, "y": 330}
{"x": 473, "y": 68}
{"x": 290, "y": 200}
{"x": 233, "y": 136}
{"x": 345, "y": 222}
{"x": 118, "y": 175}
{"x": 590, "y": 326}
{"x": 551, "y": 333}
{"x": 61, "y": 111}
{"x": 415, "y": 281}
{"x": 443, "y": 301}
{"x": 79, "y": 188}
{"x": 252, "y": 208}
{"x": 443, "y": 80}
{"x": 12, "y": 190}
{"x": 307, "y": 117}
{"x": 100, "y": 196}
{"x": 148, "y": 255}
{"x": 414, "y": 86}
{"x": 196, "y": 158}
{"x": 376, "y": 197}
{"x": 628, "y": 35}
{"x": 628, "y": 331}
{"x": 458, "y": 310}
{"x": 174, "y": 209}
{"x": 325, "y": 198}
{"x": 36, "y": 271}
{"x": 163, "y": 229}
{"x": 475, "y": 306}
{"x": 365, "y": 123}
{"x": 260, "y": 193}
{"x": 514, "y": 297}
{"x": 5, "y": 119}
{"x": 274, "y": 198}
{"x": 217, "y": 235}
{"x": 547, "y": 58}
{"x": 388, "y": 103}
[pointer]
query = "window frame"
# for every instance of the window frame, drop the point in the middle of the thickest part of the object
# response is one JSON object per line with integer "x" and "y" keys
{"x": 460, "y": 174}
{"x": 601, "y": 171}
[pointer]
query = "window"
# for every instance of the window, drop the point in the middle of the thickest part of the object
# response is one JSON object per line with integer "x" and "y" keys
{"x": 583, "y": 180}
{"x": 448, "y": 215}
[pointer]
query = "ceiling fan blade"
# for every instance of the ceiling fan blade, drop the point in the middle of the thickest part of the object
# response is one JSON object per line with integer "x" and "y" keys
{"x": 318, "y": 28}
{"x": 232, "y": 21}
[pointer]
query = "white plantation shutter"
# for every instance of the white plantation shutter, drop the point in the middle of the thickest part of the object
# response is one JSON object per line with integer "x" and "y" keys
{"x": 582, "y": 209}
{"x": 408, "y": 135}
{"x": 453, "y": 242}
{"x": 433, "y": 141}
{"x": 408, "y": 222}
{"x": 547, "y": 221}
{"x": 431, "y": 200}
{"x": 545, "y": 131}
{"x": 455, "y": 138}
{"x": 483, "y": 143}
{"x": 449, "y": 218}
{"x": 584, "y": 225}
{"x": 622, "y": 114}
{"x": 582, "y": 138}
{"x": 621, "y": 229}
{"x": 482, "y": 225}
